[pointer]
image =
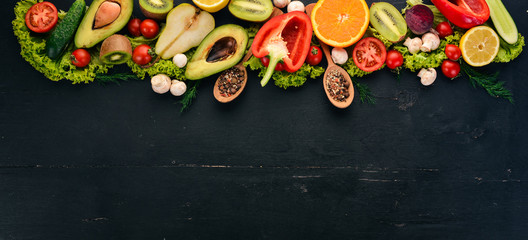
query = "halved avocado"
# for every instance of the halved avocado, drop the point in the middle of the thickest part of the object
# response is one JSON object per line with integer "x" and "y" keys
{"x": 95, "y": 27}
{"x": 221, "y": 49}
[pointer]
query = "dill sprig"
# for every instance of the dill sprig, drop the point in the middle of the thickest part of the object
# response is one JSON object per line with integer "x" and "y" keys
{"x": 189, "y": 96}
{"x": 115, "y": 78}
{"x": 365, "y": 95}
{"x": 489, "y": 82}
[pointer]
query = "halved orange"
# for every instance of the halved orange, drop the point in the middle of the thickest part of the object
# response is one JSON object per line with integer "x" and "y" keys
{"x": 340, "y": 23}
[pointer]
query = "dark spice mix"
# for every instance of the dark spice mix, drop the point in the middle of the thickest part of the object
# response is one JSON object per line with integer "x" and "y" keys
{"x": 230, "y": 81}
{"x": 337, "y": 86}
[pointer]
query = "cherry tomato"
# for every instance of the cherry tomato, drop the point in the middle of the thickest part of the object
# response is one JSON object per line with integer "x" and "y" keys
{"x": 279, "y": 67}
{"x": 451, "y": 69}
{"x": 394, "y": 59}
{"x": 142, "y": 54}
{"x": 41, "y": 17}
{"x": 314, "y": 56}
{"x": 444, "y": 29}
{"x": 133, "y": 27}
{"x": 149, "y": 28}
{"x": 80, "y": 57}
{"x": 452, "y": 52}
{"x": 369, "y": 54}
{"x": 265, "y": 61}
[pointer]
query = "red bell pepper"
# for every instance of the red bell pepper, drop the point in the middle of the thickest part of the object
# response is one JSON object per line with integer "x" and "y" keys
{"x": 285, "y": 38}
{"x": 464, "y": 13}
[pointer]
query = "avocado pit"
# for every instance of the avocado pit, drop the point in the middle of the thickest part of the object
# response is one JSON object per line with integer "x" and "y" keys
{"x": 222, "y": 49}
{"x": 106, "y": 14}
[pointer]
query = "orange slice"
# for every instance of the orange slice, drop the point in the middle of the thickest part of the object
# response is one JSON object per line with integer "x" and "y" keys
{"x": 340, "y": 23}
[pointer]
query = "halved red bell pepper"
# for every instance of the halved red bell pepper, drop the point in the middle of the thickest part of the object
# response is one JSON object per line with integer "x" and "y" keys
{"x": 464, "y": 13}
{"x": 286, "y": 37}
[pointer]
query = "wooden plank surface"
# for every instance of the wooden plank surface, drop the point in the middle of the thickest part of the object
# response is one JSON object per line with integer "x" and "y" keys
{"x": 120, "y": 162}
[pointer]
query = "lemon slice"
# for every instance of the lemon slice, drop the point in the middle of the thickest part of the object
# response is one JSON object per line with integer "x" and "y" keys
{"x": 479, "y": 46}
{"x": 211, "y": 5}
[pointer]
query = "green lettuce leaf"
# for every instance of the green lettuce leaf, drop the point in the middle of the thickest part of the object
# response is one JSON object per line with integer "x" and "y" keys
{"x": 32, "y": 49}
{"x": 417, "y": 61}
{"x": 508, "y": 52}
{"x": 285, "y": 79}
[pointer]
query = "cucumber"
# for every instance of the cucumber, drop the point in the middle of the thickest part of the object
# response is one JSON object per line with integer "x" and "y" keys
{"x": 503, "y": 21}
{"x": 63, "y": 34}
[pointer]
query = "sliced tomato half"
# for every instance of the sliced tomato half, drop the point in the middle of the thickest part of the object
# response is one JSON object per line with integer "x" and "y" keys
{"x": 41, "y": 17}
{"x": 369, "y": 54}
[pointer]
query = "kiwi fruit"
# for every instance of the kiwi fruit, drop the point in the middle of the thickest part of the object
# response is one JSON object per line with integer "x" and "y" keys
{"x": 251, "y": 10}
{"x": 116, "y": 49}
{"x": 388, "y": 21}
{"x": 156, "y": 9}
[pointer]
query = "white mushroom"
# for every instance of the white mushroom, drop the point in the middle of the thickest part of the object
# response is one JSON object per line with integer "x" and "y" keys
{"x": 180, "y": 60}
{"x": 430, "y": 41}
{"x": 281, "y": 3}
{"x": 413, "y": 44}
{"x": 339, "y": 55}
{"x": 161, "y": 83}
{"x": 178, "y": 88}
{"x": 296, "y": 6}
{"x": 427, "y": 76}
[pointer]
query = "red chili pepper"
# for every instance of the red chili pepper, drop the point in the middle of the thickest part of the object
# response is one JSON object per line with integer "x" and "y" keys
{"x": 286, "y": 37}
{"x": 464, "y": 13}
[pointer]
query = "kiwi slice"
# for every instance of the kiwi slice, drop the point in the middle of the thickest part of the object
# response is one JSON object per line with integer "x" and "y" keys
{"x": 388, "y": 21}
{"x": 251, "y": 10}
{"x": 116, "y": 49}
{"x": 156, "y": 9}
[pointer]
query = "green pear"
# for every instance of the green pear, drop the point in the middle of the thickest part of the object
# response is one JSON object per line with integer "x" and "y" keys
{"x": 186, "y": 27}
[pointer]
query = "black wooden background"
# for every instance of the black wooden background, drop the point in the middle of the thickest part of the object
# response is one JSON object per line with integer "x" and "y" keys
{"x": 121, "y": 162}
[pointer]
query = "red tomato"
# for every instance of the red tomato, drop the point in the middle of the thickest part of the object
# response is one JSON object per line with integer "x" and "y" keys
{"x": 315, "y": 55}
{"x": 41, "y": 17}
{"x": 451, "y": 69}
{"x": 80, "y": 57}
{"x": 279, "y": 67}
{"x": 369, "y": 54}
{"x": 444, "y": 29}
{"x": 394, "y": 59}
{"x": 265, "y": 61}
{"x": 149, "y": 28}
{"x": 142, "y": 54}
{"x": 452, "y": 52}
{"x": 133, "y": 27}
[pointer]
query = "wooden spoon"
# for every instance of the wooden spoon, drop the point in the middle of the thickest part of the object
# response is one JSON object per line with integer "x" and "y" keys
{"x": 332, "y": 67}
{"x": 242, "y": 85}
{"x": 240, "y": 66}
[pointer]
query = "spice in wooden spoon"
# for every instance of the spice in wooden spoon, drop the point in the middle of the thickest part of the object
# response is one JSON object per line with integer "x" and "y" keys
{"x": 336, "y": 81}
{"x": 232, "y": 81}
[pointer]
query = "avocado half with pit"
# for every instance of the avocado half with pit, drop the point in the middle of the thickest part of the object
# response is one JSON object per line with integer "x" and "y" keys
{"x": 102, "y": 19}
{"x": 221, "y": 49}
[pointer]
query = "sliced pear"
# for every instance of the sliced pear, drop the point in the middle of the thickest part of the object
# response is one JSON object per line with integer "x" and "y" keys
{"x": 186, "y": 27}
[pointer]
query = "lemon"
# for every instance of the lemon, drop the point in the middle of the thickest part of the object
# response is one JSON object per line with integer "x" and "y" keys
{"x": 479, "y": 46}
{"x": 211, "y": 5}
